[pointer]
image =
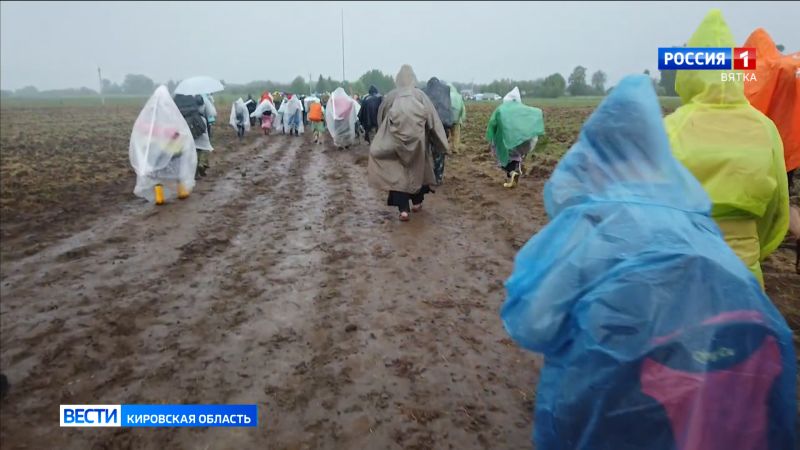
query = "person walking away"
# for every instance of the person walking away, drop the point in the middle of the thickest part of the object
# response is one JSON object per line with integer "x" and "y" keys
{"x": 293, "y": 117}
{"x": 210, "y": 112}
{"x": 439, "y": 94}
{"x": 775, "y": 91}
{"x": 240, "y": 118}
{"x": 734, "y": 150}
{"x": 368, "y": 115}
{"x": 316, "y": 116}
{"x": 251, "y": 106}
{"x": 191, "y": 107}
{"x": 340, "y": 116}
{"x": 512, "y": 132}
{"x": 654, "y": 335}
{"x": 279, "y": 120}
{"x": 162, "y": 147}
{"x": 459, "y": 113}
{"x": 409, "y": 136}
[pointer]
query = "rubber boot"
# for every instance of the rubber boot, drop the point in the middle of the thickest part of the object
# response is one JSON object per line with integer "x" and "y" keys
{"x": 183, "y": 193}
{"x": 159, "y": 190}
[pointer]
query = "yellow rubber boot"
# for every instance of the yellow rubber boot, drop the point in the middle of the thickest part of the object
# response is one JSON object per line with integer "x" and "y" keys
{"x": 159, "y": 190}
{"x": 183, "y": 193}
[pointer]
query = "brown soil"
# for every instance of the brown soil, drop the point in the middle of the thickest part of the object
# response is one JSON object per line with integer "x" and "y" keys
{"x": 283, "y": 281}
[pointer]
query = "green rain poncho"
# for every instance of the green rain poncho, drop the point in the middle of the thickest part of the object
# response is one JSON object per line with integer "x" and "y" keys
{"x": 512, "y": 124}
{"x": 457, "y": 105}
{"x": 733, "y": 150}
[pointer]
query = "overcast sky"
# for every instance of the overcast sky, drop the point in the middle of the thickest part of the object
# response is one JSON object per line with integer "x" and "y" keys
{"x": 59, "y": 45}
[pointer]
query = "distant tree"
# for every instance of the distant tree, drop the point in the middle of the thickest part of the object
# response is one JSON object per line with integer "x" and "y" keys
{"x": 599, "y": 82}
{"x": 298, "y": 86}
{"x": 27, "y": 91}
{"x": 667, "y": 83}
{"x": 380, "y": 80}
{"x": 321, "y": 85}
{"x": 780, "y": 47}
{"x": 551, "y": 87}
{"x": 577, "y": 82}
{"x": 6, "y": 93}
{"x": 110, "y": 88}
{"x": 171, "y": 84}
{"x": 137, "y": 85}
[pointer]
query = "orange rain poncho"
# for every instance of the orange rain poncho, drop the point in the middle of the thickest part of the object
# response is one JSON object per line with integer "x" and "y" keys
{"x": 735, "y": 152}
{"x": 776, "y": 92}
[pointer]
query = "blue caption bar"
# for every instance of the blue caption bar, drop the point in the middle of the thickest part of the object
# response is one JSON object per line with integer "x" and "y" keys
{"x": 189, "y": 415}
{"x": 695, "y": 58}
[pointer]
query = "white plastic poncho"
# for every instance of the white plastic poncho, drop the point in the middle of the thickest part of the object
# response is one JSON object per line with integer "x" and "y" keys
{"x": 263, "y": 107}
{"x": 513, "y": 96}
{"x": 162, "y": 150}
{"x": 340, "y": 115}
{"x": 238, "y": 106}
{"x": 208, "y": 108}
{"x": 278, "y": 123}
{"x": 294, "y": 110}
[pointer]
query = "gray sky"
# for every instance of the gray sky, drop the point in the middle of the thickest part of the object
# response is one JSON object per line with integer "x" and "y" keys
{"x": 59, "y": 45}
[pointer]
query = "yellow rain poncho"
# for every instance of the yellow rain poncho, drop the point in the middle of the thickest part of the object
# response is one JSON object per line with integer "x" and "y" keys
{"x": 733, "y": 150}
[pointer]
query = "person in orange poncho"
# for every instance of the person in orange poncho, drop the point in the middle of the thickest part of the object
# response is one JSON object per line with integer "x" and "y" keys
{"x": 776, "y": 93}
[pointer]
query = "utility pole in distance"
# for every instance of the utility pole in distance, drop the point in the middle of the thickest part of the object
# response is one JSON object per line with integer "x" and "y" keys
{"x": 100, "y": 80}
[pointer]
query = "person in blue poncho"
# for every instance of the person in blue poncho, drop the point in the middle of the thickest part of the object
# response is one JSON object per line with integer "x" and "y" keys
{"x": 655, "y": 335}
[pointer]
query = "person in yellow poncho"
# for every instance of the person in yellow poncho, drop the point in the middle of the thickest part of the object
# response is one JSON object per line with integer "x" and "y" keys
{"x": 735, "y": 152}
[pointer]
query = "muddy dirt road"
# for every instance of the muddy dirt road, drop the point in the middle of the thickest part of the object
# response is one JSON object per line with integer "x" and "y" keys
{"x": 283, "y": 281}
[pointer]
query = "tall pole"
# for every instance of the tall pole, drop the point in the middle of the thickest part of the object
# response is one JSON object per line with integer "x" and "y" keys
{"x": 100, "y": 80}
{"x": 343, "y": 76}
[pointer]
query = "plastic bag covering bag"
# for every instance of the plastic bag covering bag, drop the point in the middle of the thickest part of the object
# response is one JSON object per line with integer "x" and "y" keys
{"x": 734, "y": 150}
{"x": 239, "y": 109}
{"x": 513, "y": 96}
{"x": 340, "y": 118}
{"x": 263, "y": 107}
{"x": 439, "y": 93}
{"x": 309, "y": 100}
{"x": 655, "y": 335}
{"x": 776, "y": 92}
{"x": 457, "y": 105}
{"x": 511, "y": 124}
{"x": 209, "y": 109}
{"x": 162, "y": 149}
{"x": 293, "y": 111}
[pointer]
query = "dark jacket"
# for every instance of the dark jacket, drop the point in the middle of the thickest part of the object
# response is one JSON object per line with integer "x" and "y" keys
{"x": 368, "y": 115}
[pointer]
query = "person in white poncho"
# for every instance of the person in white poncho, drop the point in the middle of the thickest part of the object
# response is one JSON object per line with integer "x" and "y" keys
{"x": 240, "y": 119}
{"x": 341, "y": 114}
{"x": 293, "y": 116}
{"x": 162, "y": 151}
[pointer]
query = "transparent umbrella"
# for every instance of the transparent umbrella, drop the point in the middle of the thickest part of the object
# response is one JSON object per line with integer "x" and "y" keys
{"x": 199, "y": 85}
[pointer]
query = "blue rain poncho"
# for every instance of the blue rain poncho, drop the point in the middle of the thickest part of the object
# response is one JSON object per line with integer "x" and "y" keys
{"x": 655, "y": 335}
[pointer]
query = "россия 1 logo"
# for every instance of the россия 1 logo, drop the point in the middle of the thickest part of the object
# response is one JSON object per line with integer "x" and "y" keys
{"x": 710, "y": 58}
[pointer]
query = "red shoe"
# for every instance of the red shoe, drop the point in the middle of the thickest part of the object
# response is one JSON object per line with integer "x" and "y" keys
{"x": 403, "y": 216}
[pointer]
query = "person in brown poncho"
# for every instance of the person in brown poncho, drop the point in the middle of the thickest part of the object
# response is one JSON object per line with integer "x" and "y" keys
{"x": 402, "y": 152}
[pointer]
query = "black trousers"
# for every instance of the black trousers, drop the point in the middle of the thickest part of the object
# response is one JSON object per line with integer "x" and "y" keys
{"x": 790, "y": 178}
{"x": 401, "y": 199}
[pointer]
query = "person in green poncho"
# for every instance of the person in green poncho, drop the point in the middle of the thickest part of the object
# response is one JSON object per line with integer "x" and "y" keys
{"x": 512, "y": 133}
{"x": 735, "y": 152}
{"x": 459, "y": 116}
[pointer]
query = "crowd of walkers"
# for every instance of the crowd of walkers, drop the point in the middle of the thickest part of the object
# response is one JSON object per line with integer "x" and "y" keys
{"x": 645, "y": 291}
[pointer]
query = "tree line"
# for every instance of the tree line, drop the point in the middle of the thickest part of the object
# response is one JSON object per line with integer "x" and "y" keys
{"x": 552, "y": 86}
